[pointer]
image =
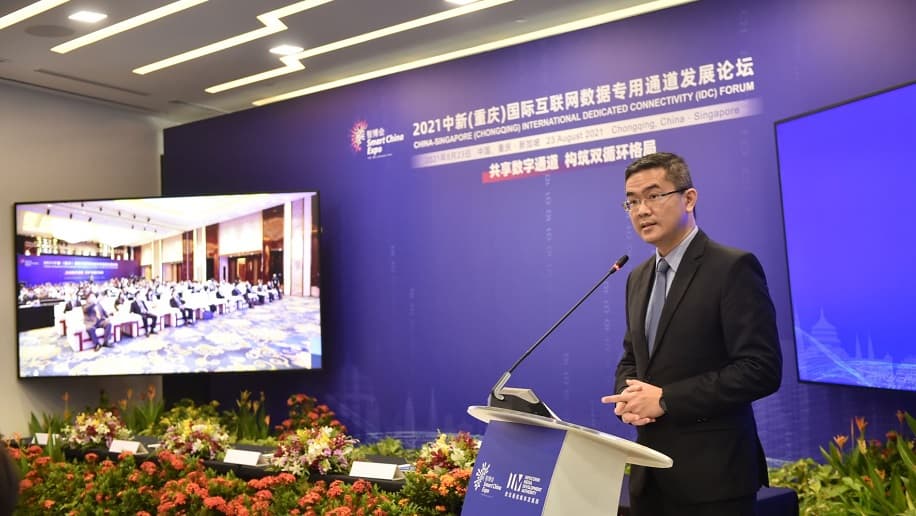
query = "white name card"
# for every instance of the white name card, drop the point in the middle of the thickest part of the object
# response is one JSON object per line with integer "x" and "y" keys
{"x": 244, "y": 457}
{"x": 41, "y": 439}
{"x": 376, "y": 470}
{"x": 121, "y": 446}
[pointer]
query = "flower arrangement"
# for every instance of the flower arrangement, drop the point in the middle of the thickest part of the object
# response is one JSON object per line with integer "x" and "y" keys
{"x": 340, "y": 499}
{"x": 869, "y": 476}
{"x": 305, "y": 412}
{"x": 443, "y": 470}
{"x": 141, "y": 417}
{"x": 94, "y": 429}
{"x": 250, "y": 422}
{"x": 186, "y": 409}
{"x": 322, "y": 450}
{"x": 172, "y": 485}
{"x": 204, "y": 439}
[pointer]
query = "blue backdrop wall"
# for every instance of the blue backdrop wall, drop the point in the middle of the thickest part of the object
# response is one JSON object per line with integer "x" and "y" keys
{"x": 467, "y": 205}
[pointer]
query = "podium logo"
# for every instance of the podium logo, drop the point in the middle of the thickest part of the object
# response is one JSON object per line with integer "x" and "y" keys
{"x": 524, "y": 488}
{"x": 515, "y": 482}
{"x": 481, "y": 475}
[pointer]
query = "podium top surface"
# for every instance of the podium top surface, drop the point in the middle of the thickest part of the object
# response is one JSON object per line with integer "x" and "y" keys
{"x": 635, "y": 453}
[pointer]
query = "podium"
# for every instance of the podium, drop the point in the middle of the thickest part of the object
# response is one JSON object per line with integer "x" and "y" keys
{"x": 535, "y": 465}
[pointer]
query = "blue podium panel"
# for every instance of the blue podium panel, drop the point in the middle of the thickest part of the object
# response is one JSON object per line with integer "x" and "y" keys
{"x": 513, "y": 470}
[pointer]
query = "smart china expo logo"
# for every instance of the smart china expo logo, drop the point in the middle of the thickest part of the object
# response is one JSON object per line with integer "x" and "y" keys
{"x": 358, "y": 135}
{"x": 376, "y": 140}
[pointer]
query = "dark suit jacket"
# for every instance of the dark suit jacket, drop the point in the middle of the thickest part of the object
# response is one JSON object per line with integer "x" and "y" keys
{"x": 137, "y": 309}
{"x": 93, "y": 313}
{"x": 716, "y": 351}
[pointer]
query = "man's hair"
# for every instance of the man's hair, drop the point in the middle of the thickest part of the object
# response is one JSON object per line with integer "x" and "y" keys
{"x": 674, "y": 166}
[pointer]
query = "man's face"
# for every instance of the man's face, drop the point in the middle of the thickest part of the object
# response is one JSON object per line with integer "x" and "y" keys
{"x": 662, "y": 222}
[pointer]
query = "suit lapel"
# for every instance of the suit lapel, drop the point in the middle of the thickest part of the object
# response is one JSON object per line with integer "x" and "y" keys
{"x": 682, "y": 279}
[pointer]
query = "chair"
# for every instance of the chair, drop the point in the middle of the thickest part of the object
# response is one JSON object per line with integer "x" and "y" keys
{"x": 77, "y": 335}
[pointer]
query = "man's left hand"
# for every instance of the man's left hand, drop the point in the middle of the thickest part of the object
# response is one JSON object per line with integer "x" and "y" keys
{"x": 638, "y": 403}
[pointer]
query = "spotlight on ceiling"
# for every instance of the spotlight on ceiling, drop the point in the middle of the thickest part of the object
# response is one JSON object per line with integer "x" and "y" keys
{"x": 88, "y": 16}
{"x": 286, "y": 50}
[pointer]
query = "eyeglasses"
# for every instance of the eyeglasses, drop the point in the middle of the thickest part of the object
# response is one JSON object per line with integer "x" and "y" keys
{"x": 650, "y": 200}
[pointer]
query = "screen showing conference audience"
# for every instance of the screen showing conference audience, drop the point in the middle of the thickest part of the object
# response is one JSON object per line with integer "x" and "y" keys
{"x": 848, "y": 187}
{"x": 201, "y": 284}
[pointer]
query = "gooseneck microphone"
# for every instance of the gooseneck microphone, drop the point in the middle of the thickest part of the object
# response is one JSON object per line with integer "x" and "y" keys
{"x": 524, "y": 400}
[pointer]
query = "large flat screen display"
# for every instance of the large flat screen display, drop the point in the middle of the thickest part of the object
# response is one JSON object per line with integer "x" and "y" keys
{"x": 165, "y": 285}
{"x": 849, "y": 204}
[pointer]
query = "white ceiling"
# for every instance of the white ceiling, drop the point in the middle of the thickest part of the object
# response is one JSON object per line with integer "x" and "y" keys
{"x": 136, "y": 222}
{"x": 103, "y": 70}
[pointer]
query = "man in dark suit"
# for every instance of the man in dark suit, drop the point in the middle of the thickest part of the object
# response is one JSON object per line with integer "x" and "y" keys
{"x": 178, "y": 302}
{"x": 715, "y": 350}
{"x": 139, "y": 307}
{"x": 95, "y": 317}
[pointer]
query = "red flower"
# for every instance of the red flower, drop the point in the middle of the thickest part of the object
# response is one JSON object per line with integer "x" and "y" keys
{"x": 335, "y": 490}
{"x": 214, "y": 502}
{"x": 91, "y": 458}
{"x": 47, "y": 504}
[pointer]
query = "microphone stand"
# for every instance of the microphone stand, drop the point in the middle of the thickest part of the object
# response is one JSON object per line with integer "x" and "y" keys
{"x": 524, "y": 400}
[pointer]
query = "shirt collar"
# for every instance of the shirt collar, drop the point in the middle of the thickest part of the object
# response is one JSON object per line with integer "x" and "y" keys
{"x": 674, "y": 257}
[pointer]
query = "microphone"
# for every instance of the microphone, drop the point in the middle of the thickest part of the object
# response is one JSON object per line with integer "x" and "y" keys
{"x": 524, "y": 400}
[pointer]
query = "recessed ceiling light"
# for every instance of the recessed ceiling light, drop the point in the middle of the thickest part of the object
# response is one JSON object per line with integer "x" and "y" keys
{"x": 28, "y": 11}
{"x": 271, "y": 25}
{"x": 291, "y": 63}
{"x": 88, "y": 16}
{"x": 583, "y": 23}
{"x": 285, "y": 50}
{"x": 126, "y": 25}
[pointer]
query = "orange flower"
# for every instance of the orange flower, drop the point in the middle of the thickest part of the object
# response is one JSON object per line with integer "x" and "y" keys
{"x": 840, "y": 440}
{"x": 891, "y": 436}
{"x": 47, "y": 504}
{"x": 65, "y": 397}
{"x": 151, "y": 392}
{"x": 130, "y": 393}
{"x": 214, "y": 502}
{"x": 901, "y": 416}
{"x": 861, "y": 424}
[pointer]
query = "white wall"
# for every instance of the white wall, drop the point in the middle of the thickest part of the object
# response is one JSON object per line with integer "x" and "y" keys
{"x": 56, "y": 147}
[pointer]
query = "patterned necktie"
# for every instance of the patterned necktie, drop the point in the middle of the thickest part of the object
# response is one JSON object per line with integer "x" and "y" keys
{"x": 658, "y": 302}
